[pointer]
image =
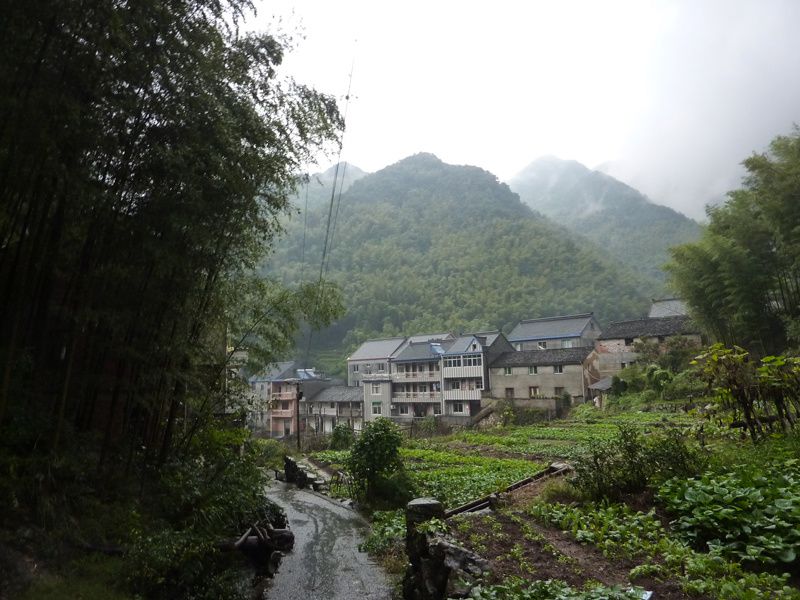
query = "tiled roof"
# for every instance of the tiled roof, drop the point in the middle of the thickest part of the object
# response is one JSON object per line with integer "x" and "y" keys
{"x": 531, "y": 358}
{"x": 462, "y": 345}
{"x": 276, "y": 372}
{"x": 642, "y": 328}
{"x": 377, "y": 348}
{"x": 550, "y": 328}
{"x": 417, "y": 351}
{"x": 339, "y": 393}
{"x": 668, "y": 307}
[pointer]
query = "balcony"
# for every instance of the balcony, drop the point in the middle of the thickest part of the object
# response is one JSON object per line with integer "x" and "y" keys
{"x": 382, "y": 376}
{"x": 416, "y": 376}
{"x": 462, "y": 372}
{"x": 281, "y": 413}
{"x": 462, "y": 394}
{"x": 284, "y": 395}
{"x": 349, "y": 412}
{"x": 416, "y": 397}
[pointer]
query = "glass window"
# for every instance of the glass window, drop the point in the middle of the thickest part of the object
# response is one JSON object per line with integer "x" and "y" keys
{"x": 533, "y": 391}
{"x": 355, "y": 368}
{"x": 437, "y": 410}
{"x": 376, "y": 408}
{"x": 507, "y": 370}
{"x": 381, "y": 367}
{"x": 376, "y": 389}
{"x": 533, "y": 370}
{"x": 542, "y": 345}
{"x": 404, "y": 409}
{"x": 558, "y": 368}
{"x": 509, "y": 392}
{"x": 458, "y": 407}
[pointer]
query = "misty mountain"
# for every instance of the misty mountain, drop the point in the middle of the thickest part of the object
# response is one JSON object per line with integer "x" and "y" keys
{"x": 423, "y": 246}
{"x": 319, "y": 185}
{"x": 613, "y": 215}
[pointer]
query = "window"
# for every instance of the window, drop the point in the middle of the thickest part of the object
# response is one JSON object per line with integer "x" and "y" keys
{"x": 542, "y": 345}
{"x": 506, "y": 370}
{"x": 404, "y": 409}
{"x": 381, "y": 367}
{"x": 311, "y": 409}
{"x": 479, "y": 384}
{"x": 629, "y": 341}
{"x": 452, "y": 361}
{"x": 533, "y": 370}
{"x": 376, "y": 389}
{"x": 517, "y": 347}
{"x": 661, "y": 339}
{"x": 458, "y": 407}
{"x": 558, "y": 392}
{"x": 533, "y": 391}
{"x": 568, "y": 344}
{"x": 376, "y": 408}
{"x": 284, "y": 405}
{"x": 333, "y": 405}
{"x": 558, "y": 368}
{"x": 455, "y": 385}
{"x": 473, "y": 361}
{"x": 437, "y": 410}
{"x": 509, "y": 392}
{"x": 423, "y": 387}
{"x": 355, "y": 368}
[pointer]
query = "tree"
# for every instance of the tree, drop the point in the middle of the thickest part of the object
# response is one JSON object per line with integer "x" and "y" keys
{"x": 375, "y": 454}
{"x": 147, "y": 150}
{"x": 742, "y": 279}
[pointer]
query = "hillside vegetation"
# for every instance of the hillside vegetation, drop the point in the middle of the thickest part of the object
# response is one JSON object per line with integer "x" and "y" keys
{"x": 425, "y": 246}
{"x": 615, "y": 216}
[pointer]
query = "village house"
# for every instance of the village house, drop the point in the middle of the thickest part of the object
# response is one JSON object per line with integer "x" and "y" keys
{"x": 543, "y": 378}
{"x": 569, "y": 331}
{"x": 329, "y": 406}
{"x": 615, "y": 347}
{"x": 371, "y": 358}
{"x": 465, "y": 370}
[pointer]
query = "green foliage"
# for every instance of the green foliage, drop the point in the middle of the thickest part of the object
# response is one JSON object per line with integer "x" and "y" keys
{"x": 519, "y": 589}
{"x": 636, "y": 232}
{"x": 619, "y": 531}
{"x": 387, "y": 533}
{"x": 750, "y": 513}
{"x": 629, "y": 462}
{"x": 741, "y": 278}
{"x": 342, "y": 438}
{"x": 375, "y": 454}
{"x": 455, "y": 478}
{"x": 515, "y": 265}
{"x": 753, "y": 392}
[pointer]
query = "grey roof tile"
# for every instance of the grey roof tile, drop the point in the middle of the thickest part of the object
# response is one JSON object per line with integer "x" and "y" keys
{"x": 531, "y": 358}
{"x": 377, "y": 348}
{"x": 550, "y": 327}
{"x": 640, "y": 328}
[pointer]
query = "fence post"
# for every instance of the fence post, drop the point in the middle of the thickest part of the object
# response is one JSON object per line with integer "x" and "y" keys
{"x": 418, "y": 583}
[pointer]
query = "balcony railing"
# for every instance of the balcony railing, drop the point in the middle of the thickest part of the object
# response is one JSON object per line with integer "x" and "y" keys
{"x": 462, "y": 394}
{"x": 417, "y": 397}
{"x": 416, "y": 376}
{"x": 383, "y": 375}
{"x": 284, "y": 395}
{"x": 471, "y": 371}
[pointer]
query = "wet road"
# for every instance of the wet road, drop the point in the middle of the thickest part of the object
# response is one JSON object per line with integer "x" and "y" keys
{"x": 325, "y": 563}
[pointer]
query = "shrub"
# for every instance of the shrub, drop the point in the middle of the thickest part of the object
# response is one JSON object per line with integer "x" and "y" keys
{"x": 375, "y": 455}
{"x": 628, "y": 463}
{"x": 342, "y": 438}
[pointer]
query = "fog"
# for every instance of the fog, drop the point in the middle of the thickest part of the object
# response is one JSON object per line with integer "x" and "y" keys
{"x": 668, "y": 96}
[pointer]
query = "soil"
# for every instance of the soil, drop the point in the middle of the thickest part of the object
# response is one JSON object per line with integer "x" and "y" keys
{"x": 515, "y": 545}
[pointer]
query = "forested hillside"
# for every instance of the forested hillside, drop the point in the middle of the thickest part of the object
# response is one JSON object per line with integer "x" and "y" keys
{"x": 317, "y": 190}
{"x": 615, "y": 216}
{"x": 425, "y": 246}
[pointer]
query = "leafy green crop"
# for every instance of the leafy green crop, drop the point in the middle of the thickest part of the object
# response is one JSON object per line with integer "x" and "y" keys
{"x": 620, "y": 532}
{"x": 747, "y": 513}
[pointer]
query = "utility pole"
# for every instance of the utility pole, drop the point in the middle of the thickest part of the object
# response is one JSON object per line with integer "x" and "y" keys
{"x": 298, "y": 395}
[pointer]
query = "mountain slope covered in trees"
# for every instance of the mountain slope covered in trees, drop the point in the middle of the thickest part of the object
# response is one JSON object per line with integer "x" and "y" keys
{"x": 613, "y": 215}
{"x": 317, "y": 190}
{"x": 424, "y": 246}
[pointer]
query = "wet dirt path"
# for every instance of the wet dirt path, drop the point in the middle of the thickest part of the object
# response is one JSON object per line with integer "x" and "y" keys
{"x": 325, "y": 563}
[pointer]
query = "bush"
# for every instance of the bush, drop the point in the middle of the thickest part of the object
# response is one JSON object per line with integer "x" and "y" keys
{"x": 628, "y": 463}
{"x": 375, "y": 455}
{"x": 342, "y": 438}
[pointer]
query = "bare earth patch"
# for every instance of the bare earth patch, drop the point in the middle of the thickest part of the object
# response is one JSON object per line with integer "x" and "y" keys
{"x": 515, "y": 545}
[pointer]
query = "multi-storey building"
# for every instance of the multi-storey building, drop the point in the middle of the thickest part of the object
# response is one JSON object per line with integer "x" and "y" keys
{"x": 544, "y": 377}
{"x": 416, "y": 377}
{"x": 570, "y": 331}
{"x": 329, "y": 406}
{"x": 371, "y": 358}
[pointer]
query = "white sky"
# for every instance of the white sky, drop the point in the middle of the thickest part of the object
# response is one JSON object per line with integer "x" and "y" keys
{"x": 669, "y": 96}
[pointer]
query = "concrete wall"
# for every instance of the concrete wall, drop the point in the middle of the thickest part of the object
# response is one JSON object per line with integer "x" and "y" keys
{"x": 572, "y": 379}
{"x": 614, "y": 355}
{"x": 384, "y": 396}
{"x": 365, "y": 367}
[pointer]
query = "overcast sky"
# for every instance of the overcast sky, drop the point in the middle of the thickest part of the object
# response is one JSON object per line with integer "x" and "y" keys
{"x": 669, "y": 96}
